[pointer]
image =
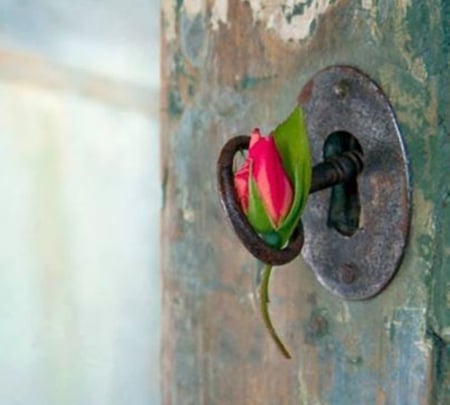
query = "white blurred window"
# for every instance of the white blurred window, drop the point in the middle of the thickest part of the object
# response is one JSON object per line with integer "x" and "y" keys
{"x": 79, "y": 202}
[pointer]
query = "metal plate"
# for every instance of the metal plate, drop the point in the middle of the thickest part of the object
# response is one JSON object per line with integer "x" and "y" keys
{"x": 341, "y": 98}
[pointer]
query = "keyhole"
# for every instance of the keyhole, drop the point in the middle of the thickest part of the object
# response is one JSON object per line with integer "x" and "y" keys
{"x": 345, "y": 208}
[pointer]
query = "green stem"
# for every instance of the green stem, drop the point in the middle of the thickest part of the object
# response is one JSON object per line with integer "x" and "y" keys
{"x": 264, "y": 300}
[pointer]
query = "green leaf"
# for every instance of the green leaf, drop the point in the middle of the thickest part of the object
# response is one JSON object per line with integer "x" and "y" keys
{"x": 292, "y": 143}
{"x": 256, "y": 212}
{"x": 258, "y": 217}
{"x": 273, "y": 239}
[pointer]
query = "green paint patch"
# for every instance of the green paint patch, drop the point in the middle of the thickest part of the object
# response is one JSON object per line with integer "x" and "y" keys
{"x": 178, "y": 5}
{"x": 445, "y": 18}
{"x": 175, "y": 104}
{"x": 298, "y": 9}
{"x": 194, "y": 39}
{"x": 441, "y": 368}
{"x": 436, "y": 58}
{"x": 249, "y": 82}
{"x": 416, "y": 18}
{"x": 180, "y": 66}
{"x": 191, "y": 89}
{"x": 313, "y": 27}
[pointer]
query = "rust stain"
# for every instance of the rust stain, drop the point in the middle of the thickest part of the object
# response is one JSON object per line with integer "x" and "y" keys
{"x": 381, "y": 397}
{"x": 306, "y": 92}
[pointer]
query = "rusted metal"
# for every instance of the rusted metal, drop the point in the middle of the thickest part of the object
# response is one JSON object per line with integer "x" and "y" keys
{"x": 341, "y": 98}
{"x": 250, "y": 239}
{"x": 348, "y": 273}
{"x": 326, "y": 174}
{"x": 336, "y": 170}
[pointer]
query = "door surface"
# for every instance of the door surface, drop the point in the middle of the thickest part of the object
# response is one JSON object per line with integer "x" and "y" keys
{"x": 229, "y": 66}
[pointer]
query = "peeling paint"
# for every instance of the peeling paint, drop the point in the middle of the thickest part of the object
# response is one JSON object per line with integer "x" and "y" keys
{"x": 403, "y": 38}
{"x": 193, "y": 40}
{"x": 345, "y": 352}
{"x": 168, "y": 20}
{"x": 194, "y": 7}
{"x": 425, "y": 223}
{"x": 292, "y": 20}
{"x": 343, "y": 316}
{"x": 189, "y": 215}
{"x": 445, "y": 334}
{"x": 219, "y": 13}
{"x": 305, "y": 396}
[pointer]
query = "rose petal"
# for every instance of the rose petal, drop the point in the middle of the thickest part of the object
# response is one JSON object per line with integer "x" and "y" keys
{"x": 271, "y": 179}
{"x": 241, "y": 184}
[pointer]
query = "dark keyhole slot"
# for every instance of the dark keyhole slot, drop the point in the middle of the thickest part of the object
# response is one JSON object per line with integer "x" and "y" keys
{"x": 345, "y": 207}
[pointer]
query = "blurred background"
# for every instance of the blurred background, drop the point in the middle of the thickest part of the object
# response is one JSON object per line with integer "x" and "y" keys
{"x": 79, "y": 202}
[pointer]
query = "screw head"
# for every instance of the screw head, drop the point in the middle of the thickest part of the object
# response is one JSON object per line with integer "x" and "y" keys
{"x": 348, "y": 273}
{"x": 340, "y": 89}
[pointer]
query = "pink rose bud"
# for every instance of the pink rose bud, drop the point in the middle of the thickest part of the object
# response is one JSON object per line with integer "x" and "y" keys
{"x": 273, "y": 185}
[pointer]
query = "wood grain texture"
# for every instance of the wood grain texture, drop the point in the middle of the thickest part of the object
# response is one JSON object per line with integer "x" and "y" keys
{"x": 223, "y": 74}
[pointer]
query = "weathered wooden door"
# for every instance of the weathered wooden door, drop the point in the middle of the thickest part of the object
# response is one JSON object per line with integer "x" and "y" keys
{"x": 229, "y": 66}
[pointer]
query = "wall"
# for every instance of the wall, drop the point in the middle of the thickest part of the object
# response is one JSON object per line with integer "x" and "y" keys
{"x": 79, "y": 202}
